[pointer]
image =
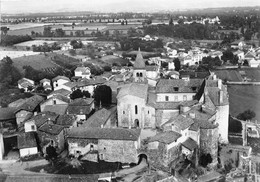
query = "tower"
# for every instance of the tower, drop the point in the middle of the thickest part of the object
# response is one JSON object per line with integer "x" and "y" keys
{"x": 139, "y": 73}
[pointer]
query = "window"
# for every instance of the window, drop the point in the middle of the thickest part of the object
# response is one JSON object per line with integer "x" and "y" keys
{"x": 105, "y": 148}
{"x": 91, "y": 147}
{"x": 54, "y": 102}
{"x": 166, "y": 98}
{"x": 123, "y": 112}
{"x": 141, "y": 74}
{"x": 193, "y": 88}
{"x": 33, "y": 127}
{"x": 137, "y": 74}
{"x": 56, "y": 84}
{"x": 52, "y": 142}
{"x": 176, "y": 89}
{"x": 185, "y": 98}
{"x": 136, "y": 109}
{"x": 148, "y": 112}
{"x": 176, "y": 98}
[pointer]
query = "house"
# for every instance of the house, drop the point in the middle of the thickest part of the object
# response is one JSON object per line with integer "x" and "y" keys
{"x": 28, "y": 109}
{"x": 40, "y": 119}
{"x": 26, "y": 84}
{"x": 254, "y": 63}
{"x": 61, "y": 91}
{"x": 27, "y": 144}
{"x": 17, "y": 103}
{"x": 55, "y": 100}
{"x": 81, "y": 107}
{"x": 240, "y": 54}
{"x": 110, "y": 144}
{"x": 46, "y": 83}
{"x": 66, "y": 47}
{"x": 82, "y": 72}
{"x": 51, "y": 134}
{"x": 59, "y": 109}
{"x": 189, "y": 147}
{"x": 58, "y": 81}
{"x": 103, "y": 118}
{"x": 90, "y": 85}
{"x": 165, "y": 146}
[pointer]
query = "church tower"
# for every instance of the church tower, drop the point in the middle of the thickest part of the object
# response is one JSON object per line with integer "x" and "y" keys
{"x": 139, "y": 73}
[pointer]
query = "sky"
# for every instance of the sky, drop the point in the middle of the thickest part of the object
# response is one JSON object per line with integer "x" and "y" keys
{"x": 39, "y": 6}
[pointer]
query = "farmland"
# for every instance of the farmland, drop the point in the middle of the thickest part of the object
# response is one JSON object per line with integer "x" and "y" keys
{"x": 243, "y": 97}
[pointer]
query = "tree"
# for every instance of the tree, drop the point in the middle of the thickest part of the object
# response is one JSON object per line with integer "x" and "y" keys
{"x": 205, "y": 159}
{"x": 248, "y": 34}
{"x": 59, "y": 32}
{"x": 79, "y": 94}
{"x": 47, "y": 32}
{"x": 72, "y": 52}
{"x": 51, "y": 154}
{"x": 103, "y": 95}
{"x": 171, "y": 21}
{"x": 177, "y": 64}
{"x": 246, "y": 115}
{"x": 4, "y": 30}
{"x": 245, "y": 63}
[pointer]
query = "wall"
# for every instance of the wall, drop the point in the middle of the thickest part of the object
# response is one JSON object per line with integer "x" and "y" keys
{"x": 28, "y": 151}
{"x": 59, "y": 82}
{"x": 139, "y": 79}
{"x": 82, "y": 145}
{"x": 171, "y": 96}
{"x": 57, "y": 139}
{"x": 2, "y": 148}
{"x": 118, "y": 150}
{"x": 222, "y": 118}
{"x": 28, "y": 126}
{"x": 151, "y": 74}
{"x": 64, "y": 87}
{"x": 126, "y": 112}
{"x": 195, "y": 135}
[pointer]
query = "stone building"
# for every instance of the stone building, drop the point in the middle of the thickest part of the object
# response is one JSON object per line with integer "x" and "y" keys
{"x": 109, "y": 144}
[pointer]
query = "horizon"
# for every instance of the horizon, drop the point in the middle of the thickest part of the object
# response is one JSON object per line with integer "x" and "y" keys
{"x": 115, "y": 6}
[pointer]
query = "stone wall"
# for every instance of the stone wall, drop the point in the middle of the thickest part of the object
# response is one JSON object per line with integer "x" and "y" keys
{"x": 222, "y": 118}
{"x": 118, "y": 151}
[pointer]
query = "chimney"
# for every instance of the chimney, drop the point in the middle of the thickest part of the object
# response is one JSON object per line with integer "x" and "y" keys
{"x": 219, "y": 84}
{"x": 221, "y": 96}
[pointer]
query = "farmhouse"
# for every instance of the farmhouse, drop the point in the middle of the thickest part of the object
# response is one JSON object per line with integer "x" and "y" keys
{"x": 82, "y": 72}
{"x": 58, "y": 81}
{"x": 26, "y": 84}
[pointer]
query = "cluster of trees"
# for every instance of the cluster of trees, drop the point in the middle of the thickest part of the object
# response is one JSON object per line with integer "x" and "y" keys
{"x": 186, "y": 31}
{"x": 211, "y": 62}
{"x": 246, "y": 115}
{"x": 45, "y": 47}
{"x": 79, "y": 94}
{"x": 229, "y": 56}
{"x": 9, "y": 40}
{"x": 103, "y": 95}
{"x": 149, "y": 46}
{"x": 9, "y": 75}
{"x": 76, "y": 44}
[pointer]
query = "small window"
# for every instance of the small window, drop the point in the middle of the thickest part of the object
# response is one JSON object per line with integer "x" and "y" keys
{"x": 56, "y": 84}
{"x": 185, "y": 98}
{"x": 148, "y": 112}
{"x": 141, "y": 74}
{"x": 33, "y": 127}
{"x": 123, "y": 112}
{"x": 91, "y": 147}
{"x": 176, "y": 89}
{"x": 166, "y": 98}
{"x": 136, "y": 109}
{"x": 54, "y": 102}
{"x": 52, "y": 142}
{"x": 105, "y": 148}
{"x": 137, "y": 74}
{"x": 194, "y": 88}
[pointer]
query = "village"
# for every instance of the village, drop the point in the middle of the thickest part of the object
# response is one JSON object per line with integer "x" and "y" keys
{"x": 163, "y": 110}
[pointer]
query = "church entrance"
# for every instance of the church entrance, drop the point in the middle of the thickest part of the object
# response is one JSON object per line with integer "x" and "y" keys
{"x": 137, "y": 125}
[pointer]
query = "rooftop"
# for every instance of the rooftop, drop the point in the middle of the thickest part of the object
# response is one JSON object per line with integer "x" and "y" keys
{"x": 26, "y": 140}
{"x": 66, "y": 120}
{"x": 134, "y": 89}
{"x": 190, "y": 144}
{"x": 7, "y": 113}
{"x": 60, "y": 77}
{"x": 58, "y": 109}
{"x": 180, "y": 121}
{"x": 165, "y": 137}
{"x": 43, "y": 117}
{"x": 52, "y": 129}
{"x": 105, "y": 133}
{"x": 31, "y": 103}
{"x": 139, "y": 61}
{"x": 62, "y": 91}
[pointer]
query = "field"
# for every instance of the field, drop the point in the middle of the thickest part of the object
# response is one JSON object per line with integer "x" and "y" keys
{"x": 16, "y": 54}
{"x": 237, "y": 75}
{"x": 243, "y": 97}
{"x": 33, "y": 42}
{"x": 110, "y": 59}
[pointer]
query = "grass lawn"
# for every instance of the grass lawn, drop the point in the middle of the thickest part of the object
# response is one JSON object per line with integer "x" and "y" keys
{"x": 244, "y": 97}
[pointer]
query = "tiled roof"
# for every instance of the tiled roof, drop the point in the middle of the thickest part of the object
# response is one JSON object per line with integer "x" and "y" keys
{"x": 59, "y": 97}
{"x": 134, "y": 89}
{"x": 26, "y": 140}
{"x": 66, "y": 120}
{"x": 17, "y": 103}
{"x": 168, "y": 86}
{"x": 211, "y": 176}
{"x": 43, "y": 117}
{"x": 181, "y": 122}
{"x": 62, "y": 91}
{"x": 202, "y": 124}
{"x": 60, "y": 77}
{"x": 58, "y": 109}
{"x": 190, "y": 144}
{"x": 7, "y": 113}
{"x": 139, "y": 61}
{"x": 25, "y": 80}
{"x": 99, "y": 118}
{"x": 82, "y": 102}
{"x": 82, "y": 69}
{"x": 214, "y": 94}
{"x": 105, "y": 133}
{"x": 151, "y": 68}
{"x": 165, "y": 137}
{"x": 52, "y": 129}
{"x": 70, "y": 84}
{"x": 31, "y": 103}
{"x": 45, "y": 80}
{"x": 86, "y": 82}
